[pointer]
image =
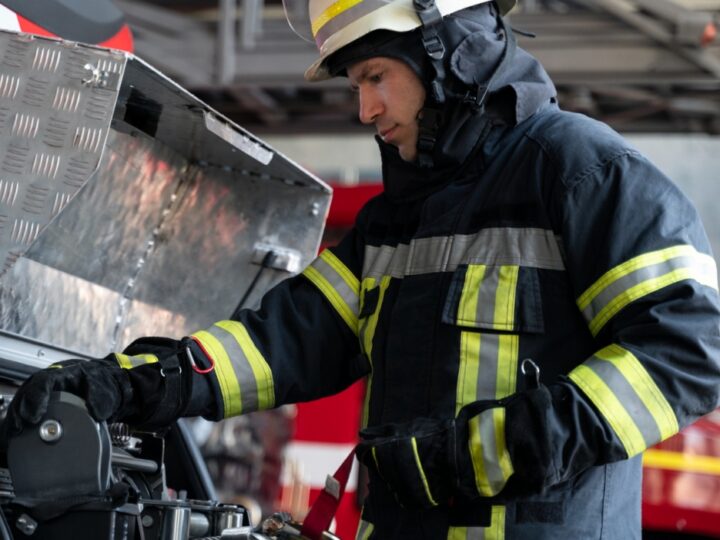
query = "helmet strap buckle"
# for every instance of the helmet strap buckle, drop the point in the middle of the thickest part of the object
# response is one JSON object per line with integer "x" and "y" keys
{"x": 428, "y": 12}
{"x": 429, "y": 120}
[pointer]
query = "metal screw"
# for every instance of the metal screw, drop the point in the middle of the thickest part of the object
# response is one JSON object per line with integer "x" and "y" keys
{"x": 50, "y": 431}
{"x": 315, "y": 210}
{"x": 98, "y": 77}
{"x": 26, "y": 524}
{"x": 147, "y": 521}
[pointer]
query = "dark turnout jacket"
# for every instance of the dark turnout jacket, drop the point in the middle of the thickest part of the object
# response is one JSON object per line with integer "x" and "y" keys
{"x": 559, "y": 243}
{"x": 552, "y": 240}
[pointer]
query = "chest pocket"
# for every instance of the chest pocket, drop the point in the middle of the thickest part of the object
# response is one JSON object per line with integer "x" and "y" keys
{"x": 500, "y": 298}
{"x": 492, "y": 305}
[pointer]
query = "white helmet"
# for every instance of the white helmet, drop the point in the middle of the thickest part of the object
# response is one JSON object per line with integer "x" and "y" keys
{"x": 333, "y": 24}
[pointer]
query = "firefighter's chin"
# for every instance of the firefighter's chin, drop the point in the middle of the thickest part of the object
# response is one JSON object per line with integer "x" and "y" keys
{"x": 407, "y": 151}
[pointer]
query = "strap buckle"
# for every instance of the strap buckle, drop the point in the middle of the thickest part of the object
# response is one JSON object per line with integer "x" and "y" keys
{"x": 428, "y": 12}
{"x": 434, "y": 47}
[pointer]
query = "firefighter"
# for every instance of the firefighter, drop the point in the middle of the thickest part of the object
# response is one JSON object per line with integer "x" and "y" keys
{"x": 533, "y": 303}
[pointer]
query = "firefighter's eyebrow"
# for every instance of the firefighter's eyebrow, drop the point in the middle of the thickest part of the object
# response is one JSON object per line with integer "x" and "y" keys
{"x": 364, "y": 73}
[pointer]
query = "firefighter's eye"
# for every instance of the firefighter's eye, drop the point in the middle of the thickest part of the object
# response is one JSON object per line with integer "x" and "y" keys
{"x": 375, "y": 77}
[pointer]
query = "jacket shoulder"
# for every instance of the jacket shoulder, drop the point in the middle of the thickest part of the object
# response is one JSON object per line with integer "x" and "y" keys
{"x": 576, "y": 144}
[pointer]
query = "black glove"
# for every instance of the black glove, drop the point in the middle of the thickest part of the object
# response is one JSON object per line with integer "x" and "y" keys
{"x": 148, "y": 394}
{"x": 427, "y": 462}
{"x": 103, "y": 385}
{"x": 416, "y": 460}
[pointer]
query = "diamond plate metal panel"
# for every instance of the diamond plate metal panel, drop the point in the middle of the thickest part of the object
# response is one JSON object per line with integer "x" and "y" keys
{"x": 54, "y": 119}
{"x": 128, "y": 207}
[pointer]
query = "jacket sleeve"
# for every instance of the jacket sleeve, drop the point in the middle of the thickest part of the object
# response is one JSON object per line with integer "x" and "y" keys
{"x": 301, "y": 344}
{"x": 646, "y": 284}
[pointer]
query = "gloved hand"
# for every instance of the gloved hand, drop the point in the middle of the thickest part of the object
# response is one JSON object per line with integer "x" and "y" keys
{"x": 426, "y": 462}
{"x": 151, "y": 385}
{"x": 103, "y": 385}
{"x": 417, "y": 461}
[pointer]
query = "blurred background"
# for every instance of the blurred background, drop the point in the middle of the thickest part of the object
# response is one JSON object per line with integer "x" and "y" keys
{"x": 649, "y": 68}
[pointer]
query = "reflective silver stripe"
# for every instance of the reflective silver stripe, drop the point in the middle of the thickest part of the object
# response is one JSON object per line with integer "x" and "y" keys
{"x": 242, "y": 369}
{"x": 475, "y": 533}
{"x": 342, "y": 19}
{"x": 487, "y": 373}
{"x": 628, "y": 397}
{"x": 338, "y": 284}
{"x": 365, "y": 529}
{"x": 427, "y": 255}
{"x": 490, "y": 458}
{"x": 130, "y": 362}
{"x": 537, "y": 248}
{"x": 490, "y": 447}
{"x": 641, "y": 276}
{"x": 385, "y": 261}
{"x": 485, "y": 311}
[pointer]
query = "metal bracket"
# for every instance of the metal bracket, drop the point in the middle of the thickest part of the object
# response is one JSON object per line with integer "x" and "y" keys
{"x": 100, "y": 78}
{"x": 286, "y": 259}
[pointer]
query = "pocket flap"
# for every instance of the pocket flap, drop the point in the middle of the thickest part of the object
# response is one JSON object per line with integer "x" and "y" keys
{"x": 503, "y": 298}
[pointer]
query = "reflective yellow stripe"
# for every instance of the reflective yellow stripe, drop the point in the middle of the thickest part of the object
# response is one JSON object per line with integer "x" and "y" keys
{"x": 372, "y": 319}
{"x": 509, "y": 345}
{"x": 123, "y": 360}
{"x": 503, "y": 456}
{"x": 641, "y": 276}
{"x": 467, "y": 309}
{"x": 367, "y": 334}
{"x": 331, "y": 294}
{"x": 478, "y": 459}
{"x": 224, "y": 371}
{"x": 610, "y": 407}
{"x": 343, "y": 271}
{"x": 488, "y": 369}
{"x": 627, "y": 396}
{"x": 130, "y": 362}
{"x": 488, "y": 451}
{"x": 677, "y": 461}
{"x": 638, "y": 291}
{"x": 467, "y": 388}
{"x": 260, "y": 368}
{"x": 644, "y": 386}
{"x": 373, "y": 451}
{"x": 495, "y": 531}
{"x": 505, "y": 298}
{"x": 331, "y": 12}
{"x": 346, "y": 306}
{"x": 365, "y": 529}
{"x": 421, "y": 471}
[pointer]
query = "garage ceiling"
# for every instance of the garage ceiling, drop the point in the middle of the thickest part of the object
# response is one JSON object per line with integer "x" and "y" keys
{"x": 640, "y": 65}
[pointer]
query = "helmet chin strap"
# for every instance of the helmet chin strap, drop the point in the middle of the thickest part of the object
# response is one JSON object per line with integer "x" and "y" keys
{"x": 430, "y": 117}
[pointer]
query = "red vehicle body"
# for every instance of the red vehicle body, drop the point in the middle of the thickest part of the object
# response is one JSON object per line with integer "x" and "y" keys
{"x": 98, "y": 22}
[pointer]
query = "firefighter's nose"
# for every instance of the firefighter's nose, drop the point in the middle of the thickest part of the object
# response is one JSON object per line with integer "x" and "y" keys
{"x": 369, "y": 106}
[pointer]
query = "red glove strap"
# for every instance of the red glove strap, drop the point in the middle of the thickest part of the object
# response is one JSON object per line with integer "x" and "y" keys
{"x": 207, "y": 355}
{"x": 325, "y": 506}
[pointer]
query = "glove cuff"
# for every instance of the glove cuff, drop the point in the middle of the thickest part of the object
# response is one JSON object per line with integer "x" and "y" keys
{"x": 528, "y": 440}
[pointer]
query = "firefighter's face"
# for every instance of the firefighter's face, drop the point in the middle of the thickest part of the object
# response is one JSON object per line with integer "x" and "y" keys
{"x": 390, "y": 97}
